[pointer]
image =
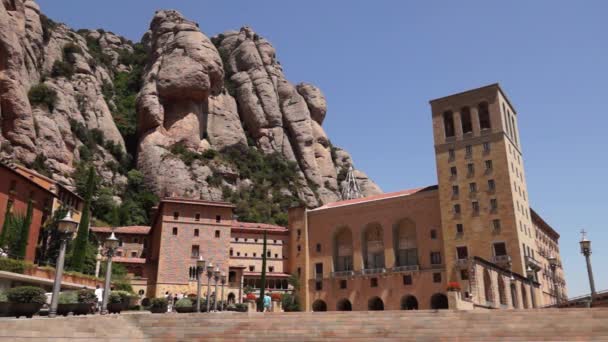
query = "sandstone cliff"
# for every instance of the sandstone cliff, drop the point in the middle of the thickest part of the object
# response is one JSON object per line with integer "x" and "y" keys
{"x": 199, "y": 115}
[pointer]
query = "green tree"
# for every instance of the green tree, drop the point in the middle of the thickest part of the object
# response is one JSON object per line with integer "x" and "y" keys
{"x": 24, "y": 231}
{"x": 81, "y": 242}
{"x": 6, "y": 224}
{"x": 49, "y": 240}
{"x": 263, "y": 281}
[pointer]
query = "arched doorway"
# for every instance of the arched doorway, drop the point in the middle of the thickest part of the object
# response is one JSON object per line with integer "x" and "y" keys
{"x": 375, "y": 304}
{"x": 524, "y": 296}
{"x": 344, "y": 305}
{"x": 514, "y": 296}
{"x": 406, "y": 252}
{"x": 487, "y": 286}
{"x": 439, "y": 301}
{"x": 319, "y": 305}
{"x": 343, "y": 250}
{"x": 231, "y": 298}
{"x": 409, "y": 302}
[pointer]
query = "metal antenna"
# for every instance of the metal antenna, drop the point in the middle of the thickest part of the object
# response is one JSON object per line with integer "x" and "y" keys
{"x": 351, "y": 190}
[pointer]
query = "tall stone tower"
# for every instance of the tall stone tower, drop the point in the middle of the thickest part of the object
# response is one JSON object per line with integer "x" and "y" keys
{"x": 482, "y": 185}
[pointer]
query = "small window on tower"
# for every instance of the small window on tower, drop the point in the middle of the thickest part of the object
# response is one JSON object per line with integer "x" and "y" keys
{"x": 407, "y": 279}
{"x": 451, "y": 154}
{"x": 484, "y": 116}
{"x": 453, "y": 171}
{"x": 318, "y": 247}
{"x": 373, "y": 282}
{"x": 468, "y": 151}
{"x": 218, "y": 218}
{"x": 486, "y": 147}
{"x": 197, "y": 217}
{"x": 436, "y": 277}
{"x": 459, "y": 228}
{"x": 217, "y": 234}
{"x": 473, "y": 187}
{"x": 174, "y": 230}
{"x": 455, "y": 190}
{"x": 465, "y": 118}
{"x": 488, "y": 165}
{"x": 470, "y": 169}
{"x": 176, "y": 215}
{"x": 456, "y": 208}
{"x": 448, "y": 124}
{"x": 475, "y": 206}
{"x": 195, "y": 232}
{"x": 491, "y": 185}
{"x": 433, "y": 234}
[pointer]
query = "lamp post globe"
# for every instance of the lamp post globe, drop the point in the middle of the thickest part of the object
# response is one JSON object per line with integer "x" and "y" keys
{"x": 110, "y": 244}
{"x": 586, "y": 251}
{"x": 216, "y": 278}
{"x": 66, "y": 227}
{"x": 200, "y": 266}
{"x": 209, "y": 275}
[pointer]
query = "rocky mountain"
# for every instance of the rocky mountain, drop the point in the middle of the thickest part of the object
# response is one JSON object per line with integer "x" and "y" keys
{"x": 202, "y": 117}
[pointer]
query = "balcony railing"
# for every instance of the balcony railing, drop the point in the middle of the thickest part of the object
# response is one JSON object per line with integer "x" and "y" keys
{"x": 342, "y": 274}
{"x": 368, "y": 271}
{"x": 464, "y": 262}
{"x": 501, "y": 259}
{"x": 406, "y": 268}
{"x": 533, "y": 263}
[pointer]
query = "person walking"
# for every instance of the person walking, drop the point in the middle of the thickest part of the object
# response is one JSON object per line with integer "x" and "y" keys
{"x": 169, "y": 301}
{"x": 99, "y": 295}
{"x": 267, "y": 302}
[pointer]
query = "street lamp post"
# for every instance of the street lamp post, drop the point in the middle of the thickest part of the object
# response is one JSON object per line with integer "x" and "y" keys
{"x": 209, "y": 275}
{"x": 530, "y": 274}
{"x": 111, "y": 243}
{"x": 66, "y": 227}
{"x": 586, "y": 251}
{"x": 223, "y": 280}
{"x": 216, "y": 277}
{"x": 200, "y": 267}
{"x": 553, "y": 264}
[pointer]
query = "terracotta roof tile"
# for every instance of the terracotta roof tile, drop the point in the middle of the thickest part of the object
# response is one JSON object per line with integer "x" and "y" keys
{"x": 388, "y": 195}
{"x": 257, "y": 226}
{"x": 139, "y": 230}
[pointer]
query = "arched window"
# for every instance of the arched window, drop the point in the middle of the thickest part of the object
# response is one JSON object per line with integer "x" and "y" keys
{"x": 344, "y": 305}
{"x": 514, "y": 129}
{"x": 343, "y": 250}
{"x": 319, "y": 306}
{"x": 439, "y": 301}
{"x": 231, "y": 298}
{"x": 487, "y": 286}
{"x": 448, "y": 124}
{"x": 406, "y": 251}
{"x": 375, "y": 304}
{"x": 373, "y": 246}
{"x": 502, "y": 294}
{"x": 524, "y": 296}
{"x": 484, "y": 115}
{"x": 514, "y": 296}
{"x": 409, "y": 302}
{"x": 465, "y": 119}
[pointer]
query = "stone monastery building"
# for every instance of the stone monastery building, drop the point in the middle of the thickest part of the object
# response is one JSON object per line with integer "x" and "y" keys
{"x": 474, "y": 232}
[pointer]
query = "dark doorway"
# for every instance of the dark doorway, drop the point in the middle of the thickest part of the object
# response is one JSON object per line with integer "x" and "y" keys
{"x": 439, "y": 301}
{"x": 375, "y": 304}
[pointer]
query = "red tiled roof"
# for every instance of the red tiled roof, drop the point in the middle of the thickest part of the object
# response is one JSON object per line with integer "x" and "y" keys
{"x": 371, "y": 198}
{"x": 127, "y": 260}
{"x": 268, "y": 274}
{"x": 257, "y": 226}
{"x": 139, "y": 230}
{"x": 197, "y": 201}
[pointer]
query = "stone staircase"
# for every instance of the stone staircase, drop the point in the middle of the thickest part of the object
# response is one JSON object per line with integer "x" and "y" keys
{"x": 442, "y": 325}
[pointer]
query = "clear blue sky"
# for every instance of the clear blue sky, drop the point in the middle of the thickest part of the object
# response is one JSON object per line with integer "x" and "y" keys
{"x": 380, "y": 62}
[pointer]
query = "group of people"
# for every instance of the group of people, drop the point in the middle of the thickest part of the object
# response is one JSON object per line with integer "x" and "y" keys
{"x": 172, "y": 299}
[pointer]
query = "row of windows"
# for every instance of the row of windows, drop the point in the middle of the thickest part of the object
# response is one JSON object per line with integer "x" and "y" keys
{"x": 468, "y": 151}
{"x": 471, "y": 169}
{"x": 495, "y": 225}
{"x": 197, "y": 217}
{"x": 475, "y": 207}
{"x": 466, "y": 120}
{"x": 473, "y": 188}
{"x": 373, "y": 282}
{"x": 499, "y": 249}
{"x": 237, "y": 239}
{"x": 195, "y": 232}
{"x": 252, "y": 268}
{"x": 255, "y": 255}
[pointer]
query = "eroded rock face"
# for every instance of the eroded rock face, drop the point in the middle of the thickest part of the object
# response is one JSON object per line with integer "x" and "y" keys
{"x": 30, "y": 44}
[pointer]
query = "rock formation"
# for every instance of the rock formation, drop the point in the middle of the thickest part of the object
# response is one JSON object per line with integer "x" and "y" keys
{"x": 68, "y": 98}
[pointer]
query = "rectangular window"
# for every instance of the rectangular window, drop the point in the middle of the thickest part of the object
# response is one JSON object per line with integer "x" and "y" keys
{"x": 491, "y": 185}
{"x": 133, "y": 254}
{"x": 493, "y": 204}
{"x": 319, "y": 270}
{"x": 342, "y": 283}
{"x": 196, "y": 232}
{"x": 217, "y": 234}
{"x": 473, "y": 187}
{"x": 470, "y": 169}
{"x": 318, "y": 285}
{"x": 451, "y": 154}
{"x": 488, "y": 165}
{"x": 251, "y": 268}
{"x": 197, "y": 217}
{"x": 486, "y": 147}
{"x": 176, "y": 215}
{"x": 373, "y": 282}
{"x": 464, "y": 274}
{"x": 174, "y": 230}
{"x": 468, "y": 151}
{"x": 194, "y": 252}
{"x": 453, "y": 171}
{"x": 456, "y": 208}
{"x": 436, "y": 258}
{"x": 475, "y": 206}
{"x": 459, "y": 228}
{"x": 496, "y": 224}
{"x": 455, "y": 190}
{"x": 218, "y": 218}
{"x": 318, "y": 247}
{"x": 407, "y": 279}
{"x": 462, "y": 253}
{"x": 436, "y": 277}
{"x": 500, "y": 248}
{"x": 433, "y": 234}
